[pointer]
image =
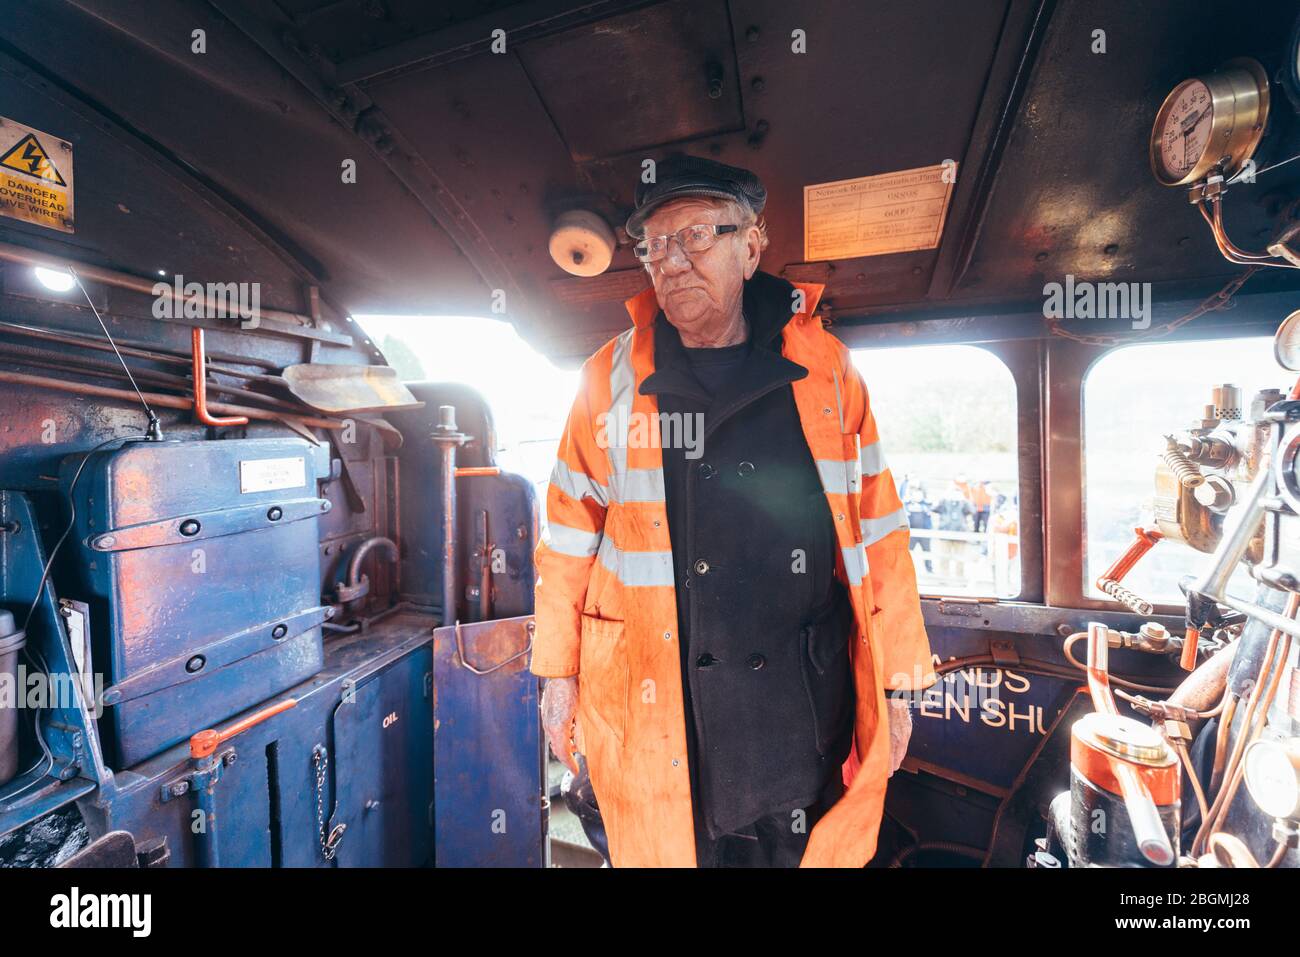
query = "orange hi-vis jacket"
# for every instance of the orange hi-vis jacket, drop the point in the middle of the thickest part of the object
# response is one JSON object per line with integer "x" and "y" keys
{"x": 606, "y": 605}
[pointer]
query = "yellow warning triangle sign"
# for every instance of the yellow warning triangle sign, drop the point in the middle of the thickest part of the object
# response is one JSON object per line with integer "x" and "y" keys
{"x": 28, "y": 156}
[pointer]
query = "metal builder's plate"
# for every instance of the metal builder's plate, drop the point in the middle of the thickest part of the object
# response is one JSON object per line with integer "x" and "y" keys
{"x": 349, "y": 388}
{"x": 876, "y": 215}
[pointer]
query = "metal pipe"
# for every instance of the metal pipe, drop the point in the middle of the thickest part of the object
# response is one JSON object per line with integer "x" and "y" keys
{"x": 164, "y": 401}
{"x": 200, "y": 372}
{"x": 23, "y": 256}
{"x": 111, "y": 370}
{"x": 447, "y": 438}
{"x": 1213, "y": 584}
{"x": 364, "y": 549}
{"x": 154, "y": 353}
{"x": 206, "y": 775}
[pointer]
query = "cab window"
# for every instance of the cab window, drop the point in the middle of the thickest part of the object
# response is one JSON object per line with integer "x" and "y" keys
{"x": 947, "y": 421}
{"x": 1132, "y": 398}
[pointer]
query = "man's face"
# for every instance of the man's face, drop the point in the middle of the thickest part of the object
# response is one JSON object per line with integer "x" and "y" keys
{"x": 703, "y": 290}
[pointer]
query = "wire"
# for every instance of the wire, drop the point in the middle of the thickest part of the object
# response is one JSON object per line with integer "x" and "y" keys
{"x": 1259, "y": 172}
{"x": 72, "y": 518}
{"x": 154, "y": 429}
{"x": 47, "y": 756}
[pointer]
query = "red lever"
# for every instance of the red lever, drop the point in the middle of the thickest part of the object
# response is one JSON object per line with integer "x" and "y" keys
{"x": 200, "y": 362}
{"x": 1146, "y": 539}
{"x": 204, "y": 743}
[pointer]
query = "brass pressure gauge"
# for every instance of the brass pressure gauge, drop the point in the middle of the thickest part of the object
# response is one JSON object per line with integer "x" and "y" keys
{"x": 1208, "y": 123}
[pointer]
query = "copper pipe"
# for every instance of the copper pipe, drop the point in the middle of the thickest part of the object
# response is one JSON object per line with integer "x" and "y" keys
{"x": 1256, "y": 728}
{"x": 1180, "y": 749}
{"x": 1206, "y": 684}
{"x": 154, "y": 353}
{"x": 1122, "y": 682}
{"x": 165, "y": 401}
{"x": 1221, "y": 740}
{"x": 201, "y": 387}
{"x": 1248, "y": 730}
{"x": 112, "y": 370}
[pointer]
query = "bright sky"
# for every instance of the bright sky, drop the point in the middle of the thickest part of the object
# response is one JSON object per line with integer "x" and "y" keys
{"x": 528, "y": 395}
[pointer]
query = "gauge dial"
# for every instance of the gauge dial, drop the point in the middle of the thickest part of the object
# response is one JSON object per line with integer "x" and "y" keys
{"x": 1211, "y": 123}
{"x": 1186, "y": 132}
{"x": 1286, "y": 343}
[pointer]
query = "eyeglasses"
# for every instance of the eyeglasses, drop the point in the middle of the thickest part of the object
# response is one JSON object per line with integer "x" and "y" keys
{"x": 692, "y": 239}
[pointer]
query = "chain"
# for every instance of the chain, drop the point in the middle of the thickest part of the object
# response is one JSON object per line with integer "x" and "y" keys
{"x": 1219, "y": 300}
{"x": 328, "y": 845}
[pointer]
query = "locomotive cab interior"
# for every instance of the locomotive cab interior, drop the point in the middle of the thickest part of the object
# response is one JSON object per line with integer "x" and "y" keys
{"x": 266, "y": 603}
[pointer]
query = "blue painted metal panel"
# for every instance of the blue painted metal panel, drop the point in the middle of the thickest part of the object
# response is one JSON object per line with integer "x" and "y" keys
{"x": 183, "y": 550}
{"x": 383, "y": 767}
{"x": 984, "y": 723}
{"x": 488, "y": 749}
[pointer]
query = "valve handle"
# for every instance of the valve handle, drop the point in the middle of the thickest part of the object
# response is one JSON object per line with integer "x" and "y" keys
{"x": 204, "y": 743}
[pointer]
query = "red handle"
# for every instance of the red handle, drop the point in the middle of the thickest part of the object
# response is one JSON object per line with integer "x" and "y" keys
{"x": 204, "y": 743}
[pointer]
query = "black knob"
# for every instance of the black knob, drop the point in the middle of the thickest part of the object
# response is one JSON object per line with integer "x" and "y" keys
{"x": 279, "y": 631}
{"x": 190, "y": 527}
{"x": 275, "y": 513}
{"x": 705, "y": 660}
{"x": 195, "y": 664}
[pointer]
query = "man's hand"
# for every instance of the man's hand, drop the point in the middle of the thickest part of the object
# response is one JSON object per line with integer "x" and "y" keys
{"x": 900, "y": 730}
{"x": 559, "y": 711}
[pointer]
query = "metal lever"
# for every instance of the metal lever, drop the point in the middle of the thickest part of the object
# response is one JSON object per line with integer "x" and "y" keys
{"x": 204, "y": 743}
{"x": 1143, "y": 814}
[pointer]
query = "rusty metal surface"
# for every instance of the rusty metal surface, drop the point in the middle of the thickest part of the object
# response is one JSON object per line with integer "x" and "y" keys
{"x": 451, "y": 205}
{"x": 349, "y": 388}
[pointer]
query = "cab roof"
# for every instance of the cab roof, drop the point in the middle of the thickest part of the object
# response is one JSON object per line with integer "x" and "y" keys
{"x": 227, "y": 164}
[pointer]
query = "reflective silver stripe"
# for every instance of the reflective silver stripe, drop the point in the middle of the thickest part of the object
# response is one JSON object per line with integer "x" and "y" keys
{"x": 855, "y": 563}
{"x": 873, "y": 459}
{"x": 637, "y": 569}
{"x": 577, "y": 542}
{"x": 643, "y": 485}
{"x": 578, "y": 485}
{"x": 626, "y": 485}
{"x": 834, "y": 475}
{"x": 874, "y": 529}
{"x": 622, "y": 382}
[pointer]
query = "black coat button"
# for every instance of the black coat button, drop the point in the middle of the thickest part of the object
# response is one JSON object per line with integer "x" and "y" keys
{"x": 701, "y": 567}
{"x": 745, "y": 468}
{"x": 705, "y": 660}
{"x": 706, "y": 470}
{"x": 755, "y": 661}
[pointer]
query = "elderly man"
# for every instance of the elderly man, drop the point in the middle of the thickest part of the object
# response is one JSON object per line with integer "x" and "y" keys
{"x": 725, "y": 596}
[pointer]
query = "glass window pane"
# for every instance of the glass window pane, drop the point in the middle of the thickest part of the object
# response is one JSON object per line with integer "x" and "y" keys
{"x": 1132, "y": 398}
{"x": 947, "y": 421}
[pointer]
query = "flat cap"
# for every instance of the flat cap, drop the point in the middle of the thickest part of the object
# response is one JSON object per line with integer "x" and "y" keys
{"x": 679, "y": 176}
